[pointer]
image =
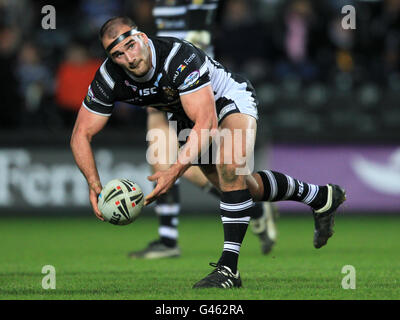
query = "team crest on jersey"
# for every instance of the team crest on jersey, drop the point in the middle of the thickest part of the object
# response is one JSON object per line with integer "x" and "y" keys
{"x": 190, "y": 80}
{"x": 134, "y": 88}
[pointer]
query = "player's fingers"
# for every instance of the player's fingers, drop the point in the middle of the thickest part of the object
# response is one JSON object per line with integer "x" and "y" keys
{"x": 96, "y": 210}
{"x": 154, "y": 177}
{"x": 152, "y": 196}
{"x": 98, "y": 214}
{"x": 148, "y": 201}
{"x": 155, "y": 194}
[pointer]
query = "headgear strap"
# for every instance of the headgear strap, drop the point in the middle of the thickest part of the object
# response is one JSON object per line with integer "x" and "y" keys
{"x": 121, "y": 38}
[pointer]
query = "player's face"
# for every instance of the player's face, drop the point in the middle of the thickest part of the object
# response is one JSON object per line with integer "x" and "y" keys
{"x": 133, "y": 53}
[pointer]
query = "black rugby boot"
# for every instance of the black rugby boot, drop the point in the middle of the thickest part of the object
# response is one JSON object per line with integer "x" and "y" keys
{"x": 324, "y": 218}
{"x": 221, "y": 277}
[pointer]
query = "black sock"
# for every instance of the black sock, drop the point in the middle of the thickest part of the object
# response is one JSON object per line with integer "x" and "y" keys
{"x": 279, "y": 186}
{"x": 236, "y": 208}
{"x": 167, "y": 209}
{"x": 258, "y": 210}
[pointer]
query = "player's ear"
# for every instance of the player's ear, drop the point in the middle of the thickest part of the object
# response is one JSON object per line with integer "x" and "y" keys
{"x": 144, "y": 37}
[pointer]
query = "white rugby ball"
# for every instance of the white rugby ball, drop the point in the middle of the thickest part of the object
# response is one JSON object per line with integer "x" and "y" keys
{"x": 121, "y": 201}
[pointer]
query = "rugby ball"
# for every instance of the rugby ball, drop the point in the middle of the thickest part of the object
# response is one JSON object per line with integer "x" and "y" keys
{"x": 121, "y": 201}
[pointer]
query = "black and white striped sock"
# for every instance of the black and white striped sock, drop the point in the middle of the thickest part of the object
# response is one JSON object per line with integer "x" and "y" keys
{"x": 236, "y": 208}
{"x": 167, "y": 209}
{"x": 279, "y": 186}
{"x": 258, "y": 210}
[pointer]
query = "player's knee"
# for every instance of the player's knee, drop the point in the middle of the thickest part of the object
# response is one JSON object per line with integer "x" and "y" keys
{"x": 228, "y": 174}
{"x": 255, "y": 186}
{"x": 189, "y": 174}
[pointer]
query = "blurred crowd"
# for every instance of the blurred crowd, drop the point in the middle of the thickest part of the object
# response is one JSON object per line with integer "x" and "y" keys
{"x": 45, "y": 73}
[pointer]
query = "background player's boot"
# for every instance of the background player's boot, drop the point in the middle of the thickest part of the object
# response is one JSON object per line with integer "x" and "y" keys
{"x": 155, "y": 250}
{"x": 265, "y": 228}
{"x": 324, "y": 218}
{"x": 221, "y": 277}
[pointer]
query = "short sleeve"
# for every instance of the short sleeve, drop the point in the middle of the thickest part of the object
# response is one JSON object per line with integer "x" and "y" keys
{"x": 100, "y": 97}
{"x": 189, "y": 69}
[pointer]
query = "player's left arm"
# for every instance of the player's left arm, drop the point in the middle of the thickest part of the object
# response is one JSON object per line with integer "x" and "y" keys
{"x": 199, "y": 106}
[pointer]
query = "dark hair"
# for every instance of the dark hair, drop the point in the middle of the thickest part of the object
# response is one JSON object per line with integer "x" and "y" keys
{"x": 109, "y": 28}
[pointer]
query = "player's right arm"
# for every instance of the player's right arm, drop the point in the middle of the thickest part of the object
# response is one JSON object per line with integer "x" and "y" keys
{"x": 96, "y": 109}
{"x": 86, "y": 126}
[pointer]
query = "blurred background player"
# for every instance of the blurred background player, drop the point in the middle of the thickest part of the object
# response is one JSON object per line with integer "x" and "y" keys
{"x": 191, "y": 20}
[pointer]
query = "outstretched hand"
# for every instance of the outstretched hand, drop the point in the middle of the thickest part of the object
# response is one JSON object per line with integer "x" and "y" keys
{"x": 165, "y": 180}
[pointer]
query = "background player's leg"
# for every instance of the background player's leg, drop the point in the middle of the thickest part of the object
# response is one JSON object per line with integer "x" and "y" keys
{"x": 198, "y": 178}
{"x": 167, "y": 206}
{"x": 262, "y": 224}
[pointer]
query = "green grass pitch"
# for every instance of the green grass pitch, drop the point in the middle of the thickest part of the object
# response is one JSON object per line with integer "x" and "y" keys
{"x": 90, "y": 258}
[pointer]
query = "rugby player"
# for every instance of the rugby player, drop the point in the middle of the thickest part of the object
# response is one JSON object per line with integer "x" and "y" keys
{"x": 203, "y": 96}
{"x": 192, "y": 21}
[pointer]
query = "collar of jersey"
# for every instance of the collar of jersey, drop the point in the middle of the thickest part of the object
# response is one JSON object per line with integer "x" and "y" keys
{"x": 149, "y": 74}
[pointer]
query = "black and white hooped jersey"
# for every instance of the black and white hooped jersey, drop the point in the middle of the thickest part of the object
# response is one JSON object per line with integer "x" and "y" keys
{"x": 178, "y": 68}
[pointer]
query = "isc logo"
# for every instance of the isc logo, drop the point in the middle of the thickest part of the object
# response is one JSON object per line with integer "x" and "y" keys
{"x": 148, "y": 91}
{"x": 115, "y": 218}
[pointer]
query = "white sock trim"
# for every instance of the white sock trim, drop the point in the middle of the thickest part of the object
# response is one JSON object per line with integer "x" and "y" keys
{"x": 232, "y": 246}
{"x": 312, "y": 193}
{"x": 328, "y": 203}
{"x": 168, "y": 232}
{"x": 167, "y": 209}
{"x": 235, "y": 220}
